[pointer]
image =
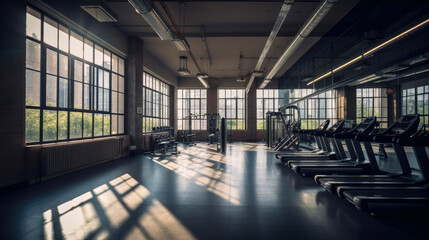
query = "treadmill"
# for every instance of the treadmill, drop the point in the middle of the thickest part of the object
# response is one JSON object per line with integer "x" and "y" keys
{"x": 336, "y": 143}
{"x": 404, "y": 127}
{"x": 324, "y": 152}
{"x": 378, "y": 200}
{"x": 355, "y": 165}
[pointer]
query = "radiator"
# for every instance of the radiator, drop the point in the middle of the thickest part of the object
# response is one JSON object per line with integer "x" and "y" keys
{"x": 61, "y": 158}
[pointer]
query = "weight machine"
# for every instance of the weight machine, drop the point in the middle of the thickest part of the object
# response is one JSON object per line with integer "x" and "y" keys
{"x": 283, "y": 128}
{"x": 213, "y": 127}
{"x": 188, "y": 136}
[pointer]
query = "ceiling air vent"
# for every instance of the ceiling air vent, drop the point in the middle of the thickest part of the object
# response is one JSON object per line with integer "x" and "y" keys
{"x": 99, "y": 11}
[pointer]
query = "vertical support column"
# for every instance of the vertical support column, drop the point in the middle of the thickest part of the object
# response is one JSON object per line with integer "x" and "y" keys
{"x": 212, "y": 100}
{"x": 173, "y": 108}
{"x": 251, "y": 114}
{"x": 350, "y": 103}
{"x": 12, "y": 93}
{"x": 134, "y": 122}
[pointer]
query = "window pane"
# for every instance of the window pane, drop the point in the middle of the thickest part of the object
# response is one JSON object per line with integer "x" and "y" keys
{"x": 114, "y": 63}
{"x": 76, "y": 44}
{"x": 63, "y": 39}
{"x": 51, "y": 91}
{"x": 98, "y": 55}
{"x": 115, "y": 82}
{"x": 121, "y": 67}
{"x": 121, "y": 84}
{"x": 33, "y": 23}
{"x": 32, "y": 93}
{"x": 86, "y": 98}
{"x": 121, "y": 103}
{"x": 88, "y": 51}
{"x": 98, "y": 125}
{"x": 75, "y": 125}
{"x": 77, "y": 95}
{"x": 50, "y": 32}
{"x": 49, "y": 125}
{"x": 62, "y": 125}
{"x": 106, "y": 62}
{"x": 32, "y": 55}
{"x": 78, "y": 71}
{"x": 106, "y": 79}
{"x": 63, "y": 93}
{"x": 51, "y": 61}
{"x": 114, "y": 102}
{"x": 120, "y": 124}
{"x": 115, "y": 124}
{"x": 106, "y": 101}
{"x": 32, "y": 125}
{"x": 87, "y": 73}
{"x": 106, "y": 129}
{"x": 64, "y": 66}
{"x": 87, "y": 125}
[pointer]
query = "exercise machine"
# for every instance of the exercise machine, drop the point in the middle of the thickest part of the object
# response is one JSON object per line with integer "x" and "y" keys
{"x": 213, "y": 127}
{"x": 188, "y": 136}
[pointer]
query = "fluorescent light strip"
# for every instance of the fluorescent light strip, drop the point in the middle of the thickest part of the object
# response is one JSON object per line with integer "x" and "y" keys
{"x": 371, "y": 51}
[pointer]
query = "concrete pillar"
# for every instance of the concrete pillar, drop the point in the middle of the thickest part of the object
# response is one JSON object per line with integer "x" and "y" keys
{"x": 12, "y": 92}
{"x": 134, "y": 103}
{"x": 350, "y": 103}
{"x": 251, "y": 114}
{"x": 212, "y": 100}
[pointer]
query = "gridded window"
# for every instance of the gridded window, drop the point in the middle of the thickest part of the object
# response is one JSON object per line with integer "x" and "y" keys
{"x": 231, "y": 106}
{"x": 372, "y": 102}
{"x": 267, "y": 100}
{"x": 156, "y": 103}
{"x": 68, "y": 95}
{"x": 416, "y": 100}
{"x": 316, "y": 109}
{"x": 191, "y": 102}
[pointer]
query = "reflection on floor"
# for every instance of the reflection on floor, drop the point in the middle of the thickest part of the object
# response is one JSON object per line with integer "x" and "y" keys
{"x": 199, "y": 194}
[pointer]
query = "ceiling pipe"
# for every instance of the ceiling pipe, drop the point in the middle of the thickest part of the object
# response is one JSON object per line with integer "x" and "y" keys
{"x": 303, "y": 33}
{"x": 203, "y": 80}
{"x": 286, "y": 6}
{"x": 146, "y": 9}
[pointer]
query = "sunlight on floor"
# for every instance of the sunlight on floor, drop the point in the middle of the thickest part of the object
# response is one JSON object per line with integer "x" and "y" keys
{"x": 117, "y": 205}
{"x": 205, "y": 167}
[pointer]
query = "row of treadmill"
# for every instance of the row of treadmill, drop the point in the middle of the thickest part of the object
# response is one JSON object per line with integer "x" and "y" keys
{"x": 357, "y": 177}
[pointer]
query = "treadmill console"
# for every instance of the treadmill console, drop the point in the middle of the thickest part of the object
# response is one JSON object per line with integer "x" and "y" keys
{"x": 366, "y": 126}
{"x": 323, "y": 126}
{"x": 403, "y": 127}
{"x": 338, "y": 126}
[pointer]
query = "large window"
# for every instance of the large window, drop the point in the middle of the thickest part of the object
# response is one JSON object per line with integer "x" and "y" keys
{"x": 416, "y": 100}
{"x": 267, "y": 100}
{"x": 316, "y": 109}
{"x": 231, "y": 106}
{"x": 372, "y": 102}
{"x": 156, "y": 103}
{"x": 74, "y": 87}
{"x": 192, "y": 101}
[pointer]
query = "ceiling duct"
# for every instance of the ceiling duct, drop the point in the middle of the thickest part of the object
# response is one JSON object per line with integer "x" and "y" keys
{"x": 203, "y": 77}
{"x": 287, "y": 4}
{"x": 303, "y": 33}
{"x": 146, "y": 9}
{"x": 99, "y": 10}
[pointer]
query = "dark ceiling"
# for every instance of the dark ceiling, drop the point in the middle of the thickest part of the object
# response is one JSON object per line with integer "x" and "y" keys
{"x": 235, "y": 32}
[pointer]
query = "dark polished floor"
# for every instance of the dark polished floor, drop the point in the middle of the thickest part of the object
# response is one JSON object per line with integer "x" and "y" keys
{"x": 199, "y": 194}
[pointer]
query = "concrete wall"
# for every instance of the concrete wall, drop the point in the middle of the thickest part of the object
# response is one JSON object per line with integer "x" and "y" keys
{"x": 158, "y": 68}
{"x": 12, "y": 92}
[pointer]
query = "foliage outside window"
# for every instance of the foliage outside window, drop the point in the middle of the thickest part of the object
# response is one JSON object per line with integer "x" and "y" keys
{"x": 267, "y": 100}
{"x": 372, "y": 102}
{"x": 231, "y": 106}
{"x": 156, "y": 103}
{"x": 416, "y": 100}
{"x": 74, "y": 87}
{"x": 192, "y": 101}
